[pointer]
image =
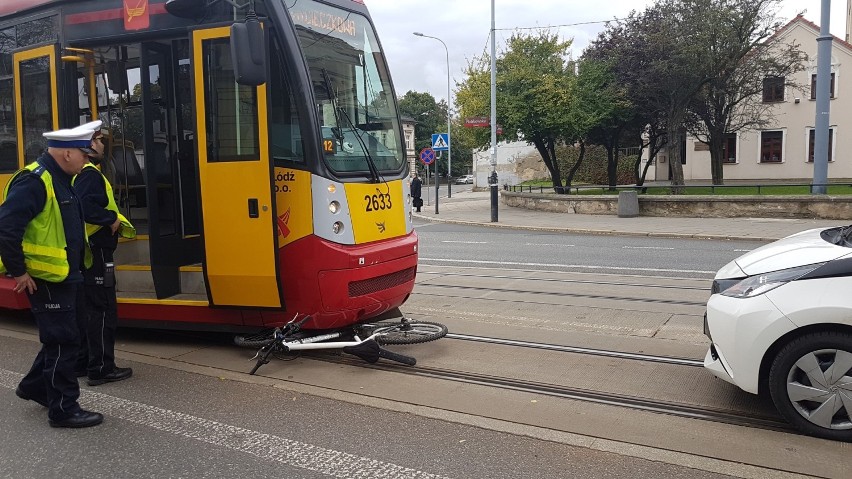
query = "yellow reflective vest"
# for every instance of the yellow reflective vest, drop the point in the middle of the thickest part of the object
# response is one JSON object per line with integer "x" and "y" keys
{"x": 126, "y": 229}
{"x": 44, "y": 238}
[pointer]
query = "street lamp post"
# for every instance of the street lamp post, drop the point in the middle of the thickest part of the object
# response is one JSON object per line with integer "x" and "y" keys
{"x": 449, "y": 134}
{"x": 492, "y": 180}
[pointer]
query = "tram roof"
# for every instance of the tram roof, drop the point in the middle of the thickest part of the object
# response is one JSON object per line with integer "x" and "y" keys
{"x": 11, "y": 7}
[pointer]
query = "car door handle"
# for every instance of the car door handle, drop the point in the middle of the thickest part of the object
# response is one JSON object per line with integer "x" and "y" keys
{"x": 253, "y": 210}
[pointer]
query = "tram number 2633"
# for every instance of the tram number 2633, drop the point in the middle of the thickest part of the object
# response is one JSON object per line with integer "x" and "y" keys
{"x": 378, "y": 202}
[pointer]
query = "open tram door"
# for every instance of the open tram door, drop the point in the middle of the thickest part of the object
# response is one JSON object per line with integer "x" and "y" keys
{"x": 236, "y": 181}
{"x": 36, "y": 99}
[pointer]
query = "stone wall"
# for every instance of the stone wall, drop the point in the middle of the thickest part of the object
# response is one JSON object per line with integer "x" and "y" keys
{"x": 808, "y": 207}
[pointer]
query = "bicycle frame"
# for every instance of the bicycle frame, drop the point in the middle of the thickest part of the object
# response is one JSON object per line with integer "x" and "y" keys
{"x": 367, "y": 349}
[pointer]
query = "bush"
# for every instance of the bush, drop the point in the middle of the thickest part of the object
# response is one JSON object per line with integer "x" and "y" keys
{"x": 593, "y": 170}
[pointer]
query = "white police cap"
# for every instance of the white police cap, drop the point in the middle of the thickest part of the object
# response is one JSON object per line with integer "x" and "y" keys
{"x": 92, "y": 125}
{"x": 79, "y": 137}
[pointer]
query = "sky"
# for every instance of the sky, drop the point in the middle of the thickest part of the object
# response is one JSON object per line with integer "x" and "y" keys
{"x": 420, "y": 64}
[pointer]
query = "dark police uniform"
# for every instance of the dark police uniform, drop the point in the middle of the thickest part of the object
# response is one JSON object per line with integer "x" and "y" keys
{"x": 415, "y": 193}
{"x": 99, "y": 279}
{"x": 52, "y": 380}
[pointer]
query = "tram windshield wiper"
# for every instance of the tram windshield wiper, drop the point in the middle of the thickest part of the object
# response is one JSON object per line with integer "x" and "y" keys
{"x": 374, "y": 170}
{"x": 338, "y": 110}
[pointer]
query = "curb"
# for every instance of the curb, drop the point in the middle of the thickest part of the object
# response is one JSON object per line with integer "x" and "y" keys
{"x": 432, "y": 219}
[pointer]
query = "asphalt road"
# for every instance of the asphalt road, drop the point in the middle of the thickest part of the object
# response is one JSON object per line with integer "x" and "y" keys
{"x": 175, "y": 418}
{"x": 167, "y": 423}
{"x": 447, "y": 244}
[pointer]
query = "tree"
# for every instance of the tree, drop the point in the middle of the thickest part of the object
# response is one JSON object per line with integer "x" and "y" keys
{"x": 599, "y": 111}
{"x": 534, "y": 88}
{"x": 431, "y": 116}
{"x": 732, "y": 100}
{"x": 623, "y": 47}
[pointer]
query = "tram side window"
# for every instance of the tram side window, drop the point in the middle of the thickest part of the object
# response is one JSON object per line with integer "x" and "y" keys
{"x": 285, "y": 137}
{"x": 37, "y": 108}
{"x": 230, "y": 109}
{"x": 41, "y": 30}
{"x": 8, "y": 133}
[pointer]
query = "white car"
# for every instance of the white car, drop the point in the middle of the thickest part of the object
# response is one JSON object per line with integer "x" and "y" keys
{"x": 780, "y": 322}
{"x": 464, "y": 180}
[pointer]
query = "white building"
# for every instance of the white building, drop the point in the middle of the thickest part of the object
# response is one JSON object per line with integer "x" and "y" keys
{"x": 784, "y": 151}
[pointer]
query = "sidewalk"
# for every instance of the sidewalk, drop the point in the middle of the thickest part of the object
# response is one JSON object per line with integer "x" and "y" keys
{"x": 474, "y": 208}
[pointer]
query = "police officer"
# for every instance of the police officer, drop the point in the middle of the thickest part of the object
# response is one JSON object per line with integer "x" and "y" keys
{"x": 103, "y": 225}
{"x": 42, "y": 240}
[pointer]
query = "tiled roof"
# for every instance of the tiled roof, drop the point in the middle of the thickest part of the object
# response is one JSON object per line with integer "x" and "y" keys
{"x": 813, "y": 26}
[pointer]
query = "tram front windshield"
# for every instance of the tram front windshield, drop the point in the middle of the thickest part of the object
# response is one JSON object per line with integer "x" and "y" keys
{"x": 354, "y": 99}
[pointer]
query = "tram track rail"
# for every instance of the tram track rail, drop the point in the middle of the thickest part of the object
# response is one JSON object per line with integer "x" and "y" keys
{"x": 602, "y": 297}
{"x": 568, "y": 281}
{"x": 579, "y": 350}
{"x": 737, "y": 418}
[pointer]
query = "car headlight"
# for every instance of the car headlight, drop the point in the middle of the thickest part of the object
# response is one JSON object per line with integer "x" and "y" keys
{"x": 763, "y": 283}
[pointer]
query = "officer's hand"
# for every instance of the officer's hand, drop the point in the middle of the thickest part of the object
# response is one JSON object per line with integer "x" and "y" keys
{"x": 25, "y": 282}
{"x": 114, "y": 227}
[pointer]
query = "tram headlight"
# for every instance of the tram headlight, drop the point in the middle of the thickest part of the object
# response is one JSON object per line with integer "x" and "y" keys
{"x": 332, "y": 189}
{"x": 337, "y": 227}
{"x": 334, "y": 207}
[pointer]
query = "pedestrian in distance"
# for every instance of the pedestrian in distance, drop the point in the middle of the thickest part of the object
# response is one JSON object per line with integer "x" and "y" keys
{"x": 104, "y": 224}
{"x": 42, "y": 242}
{"x": 416, "y": 186}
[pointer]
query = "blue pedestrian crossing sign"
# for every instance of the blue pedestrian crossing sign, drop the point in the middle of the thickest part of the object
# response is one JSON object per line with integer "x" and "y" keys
{"x": 440, "y": 141}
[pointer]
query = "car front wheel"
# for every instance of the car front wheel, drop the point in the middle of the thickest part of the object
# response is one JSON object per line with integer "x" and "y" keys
{"x": 811, "y": 384}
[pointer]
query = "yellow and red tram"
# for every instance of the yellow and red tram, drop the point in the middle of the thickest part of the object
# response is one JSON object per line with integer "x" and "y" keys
{"x": 253, "y": 202}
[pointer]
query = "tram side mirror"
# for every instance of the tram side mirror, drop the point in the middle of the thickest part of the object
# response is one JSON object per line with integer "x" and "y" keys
{"x": 248, "y": 52}
{"x": 185, "y": 8}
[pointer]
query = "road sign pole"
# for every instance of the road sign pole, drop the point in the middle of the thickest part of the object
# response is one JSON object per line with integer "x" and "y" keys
{"x": 428, "y": 193}
{"x": 437, "y": 184}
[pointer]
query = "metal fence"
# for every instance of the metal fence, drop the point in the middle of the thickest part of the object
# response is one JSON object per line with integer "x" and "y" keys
{"x": 605, "y": 189}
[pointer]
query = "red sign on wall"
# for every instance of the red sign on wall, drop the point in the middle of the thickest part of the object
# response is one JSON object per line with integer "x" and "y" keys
{"x": 136, "y": 15}
{"x": 476, "y": 122}
{"x": 480, "y": 122}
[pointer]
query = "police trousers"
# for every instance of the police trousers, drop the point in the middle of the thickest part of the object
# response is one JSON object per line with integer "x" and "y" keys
{"x": 52, "y": 377}
{"x": 102, "y": 313}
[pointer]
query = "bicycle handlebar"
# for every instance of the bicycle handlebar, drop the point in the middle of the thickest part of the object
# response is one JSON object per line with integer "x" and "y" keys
{"x": 400, "y": 358}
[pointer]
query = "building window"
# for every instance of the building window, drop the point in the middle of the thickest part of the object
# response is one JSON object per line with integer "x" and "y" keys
{"x": 771, "y": 146}
{"x": 773, "y": 89}
{"x": 814, "y": 86}
{"x": 729, "y": 150}
{"x": 811, "y": 139}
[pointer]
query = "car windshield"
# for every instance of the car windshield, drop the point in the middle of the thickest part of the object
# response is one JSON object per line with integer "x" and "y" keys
{"x": 841, "y": 236}
{"x": 354, "y": 99}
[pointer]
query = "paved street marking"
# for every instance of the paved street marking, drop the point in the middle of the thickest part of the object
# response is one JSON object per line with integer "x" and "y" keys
{"x": 742, "y": 250}
{"x": 645, "y": 247}
{"x": 575, "y": 266}
{"x": 262, "y": 445}
{"x": 466, "y": 242}
{"x": 549, "y": 244}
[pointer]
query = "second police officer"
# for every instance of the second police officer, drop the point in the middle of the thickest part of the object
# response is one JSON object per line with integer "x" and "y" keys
{"x": 104, "y": 224}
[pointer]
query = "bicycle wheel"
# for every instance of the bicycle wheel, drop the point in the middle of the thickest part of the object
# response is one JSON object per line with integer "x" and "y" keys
{"x": 255, "y": 340}
{"x": 412, "y": 332}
